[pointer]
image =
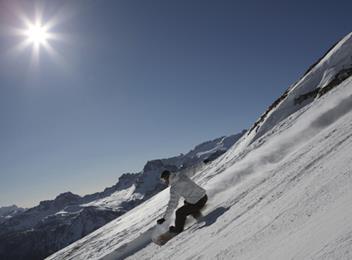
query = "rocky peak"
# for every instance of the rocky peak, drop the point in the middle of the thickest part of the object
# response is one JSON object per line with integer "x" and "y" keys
{"x": 66, "y": 198}
{"x": 153, "y": 165}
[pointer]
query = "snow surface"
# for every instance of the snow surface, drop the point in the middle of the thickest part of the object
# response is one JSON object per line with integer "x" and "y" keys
{"x": 283, "y": 192}
{"x": 114, "y": 200}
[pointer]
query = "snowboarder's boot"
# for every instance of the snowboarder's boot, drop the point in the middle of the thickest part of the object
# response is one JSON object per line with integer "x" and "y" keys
{"x": 174, "y": 230}
{"x": 197, "y": 215}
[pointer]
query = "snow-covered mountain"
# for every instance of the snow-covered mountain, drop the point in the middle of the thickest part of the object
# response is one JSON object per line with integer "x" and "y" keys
{"x": 9, "y": 212}
{"x": 283, "y": 191}
{"x": 54, "y": 224}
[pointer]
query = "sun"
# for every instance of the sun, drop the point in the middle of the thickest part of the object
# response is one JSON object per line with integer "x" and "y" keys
{"x": 37, "y": 34}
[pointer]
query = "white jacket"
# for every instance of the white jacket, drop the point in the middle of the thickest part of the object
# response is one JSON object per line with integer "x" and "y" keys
{"x": 182, "y": 186}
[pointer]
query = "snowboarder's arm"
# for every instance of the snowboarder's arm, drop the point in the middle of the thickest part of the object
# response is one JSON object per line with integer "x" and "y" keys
{"x": 173, "y": 202}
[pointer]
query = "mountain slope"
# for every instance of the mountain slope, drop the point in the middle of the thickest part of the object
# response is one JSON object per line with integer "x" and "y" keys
{"x": 9, "y": 212}
{"x": 54, "y": 224}
{"x": 283, "y": 191}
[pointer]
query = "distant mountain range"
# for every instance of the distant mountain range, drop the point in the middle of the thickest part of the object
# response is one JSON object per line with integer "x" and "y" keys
{"x": 42, "y": 230}
{"x": 9, "y": 212}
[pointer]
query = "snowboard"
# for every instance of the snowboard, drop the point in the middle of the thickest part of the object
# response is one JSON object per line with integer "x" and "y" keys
{"x": 161, "y": 234}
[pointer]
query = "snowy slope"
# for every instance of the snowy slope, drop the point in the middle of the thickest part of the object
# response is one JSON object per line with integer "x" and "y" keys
{"x": 318, "y": 79}
{"x": 284, "y": 191}
{"x": 54, "y": 224}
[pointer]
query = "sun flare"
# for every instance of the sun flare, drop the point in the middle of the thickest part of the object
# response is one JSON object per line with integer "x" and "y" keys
{"x": 37, "y": 34}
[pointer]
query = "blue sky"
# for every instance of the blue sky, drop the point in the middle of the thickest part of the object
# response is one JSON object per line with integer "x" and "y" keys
{"x": 140, "y": 80}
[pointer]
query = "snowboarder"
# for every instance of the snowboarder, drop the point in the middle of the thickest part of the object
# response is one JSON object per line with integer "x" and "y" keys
{"x": 194, "y": 195}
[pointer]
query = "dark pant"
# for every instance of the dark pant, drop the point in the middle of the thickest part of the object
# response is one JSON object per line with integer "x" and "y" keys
{"x": 186, "y": 210}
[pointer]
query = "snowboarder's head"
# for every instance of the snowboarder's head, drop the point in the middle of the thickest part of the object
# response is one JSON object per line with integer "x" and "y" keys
{"x": 165, "y": 177}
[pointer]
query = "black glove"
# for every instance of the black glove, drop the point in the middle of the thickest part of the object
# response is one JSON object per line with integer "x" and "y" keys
{"x": 160, "y": 221}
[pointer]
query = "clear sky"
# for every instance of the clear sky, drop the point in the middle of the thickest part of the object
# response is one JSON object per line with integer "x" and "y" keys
{"x": 138, "y": 80}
